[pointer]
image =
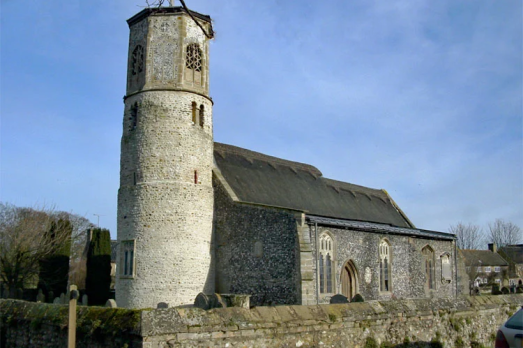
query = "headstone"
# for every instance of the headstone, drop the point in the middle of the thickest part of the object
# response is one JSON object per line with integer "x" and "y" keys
{"x": 57, "y": 301}
{"x": 339, "y": 298}
{"x": 202, "y": 301}
{"x": 357, "y": 298}
{"x": 162, "y": 305}
{"x": 50, "y": 296}
{"x": 111, "y": 304}
{"x": 206, "y": 302}
{"x": 19, "y": 293}
{"x": 40, "y": 297}
{"x": 84, "y": 300}
{"x": 237, "y": 300}
{"x": 218, "y": 301}
{"x": 62, "y": 298}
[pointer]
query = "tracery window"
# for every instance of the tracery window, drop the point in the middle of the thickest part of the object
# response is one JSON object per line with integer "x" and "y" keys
{"x": 127, "y": 258}
{"x": 385, "y": 267}
{"x": 137, "y": 60}
{"x": 326, "y": 264}
{"x": 193, "y": 63}
{"x": 446, "y": 269}
{"x": 428, "y": 260}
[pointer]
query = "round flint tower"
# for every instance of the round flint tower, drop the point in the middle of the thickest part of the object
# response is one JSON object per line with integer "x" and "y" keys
{"x": 165, "y": 200}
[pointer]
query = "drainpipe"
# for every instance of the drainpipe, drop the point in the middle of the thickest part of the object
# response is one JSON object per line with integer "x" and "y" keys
{"x": 317, "y": 262}
{"x": 456, "y": 267}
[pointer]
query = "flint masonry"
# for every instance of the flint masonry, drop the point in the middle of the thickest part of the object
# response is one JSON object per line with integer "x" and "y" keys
{"x": 197, "y": 216}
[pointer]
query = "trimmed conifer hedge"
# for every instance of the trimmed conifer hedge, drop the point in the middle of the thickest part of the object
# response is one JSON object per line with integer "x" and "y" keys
{"x": 98, "y": 277}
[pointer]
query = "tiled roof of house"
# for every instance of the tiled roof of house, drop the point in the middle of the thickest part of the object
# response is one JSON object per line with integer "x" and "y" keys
{"x": 487, "y": 258}
{"x": 260, "y": 179}
{"x": 513, "y": 252}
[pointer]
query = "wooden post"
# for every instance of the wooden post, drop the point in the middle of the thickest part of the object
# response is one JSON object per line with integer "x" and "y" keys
{"x": 73, "y": 297}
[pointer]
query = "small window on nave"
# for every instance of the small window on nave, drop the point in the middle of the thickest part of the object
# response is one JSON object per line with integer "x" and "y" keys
{"x": 385, "y": 265}
{"x": 446, "y": 269}
{"x": 428, "y": 264}
{"x": 326, "y": 264}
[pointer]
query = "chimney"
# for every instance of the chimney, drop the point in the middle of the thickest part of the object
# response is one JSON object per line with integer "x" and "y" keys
{"x": 493, "y": 247}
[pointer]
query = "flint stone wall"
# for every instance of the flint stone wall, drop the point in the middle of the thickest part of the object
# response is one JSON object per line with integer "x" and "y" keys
{"x": 408, "y": 268}
{"x": 473, "y": 319}
{"x": 257, "y": 251}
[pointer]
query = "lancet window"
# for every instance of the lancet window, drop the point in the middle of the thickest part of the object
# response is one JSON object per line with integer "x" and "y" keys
{"x": 127, "y": 258}
{"x": 326, "y": 264}
{"x": 385, "y": 265}
{"x": 428, "y": 260}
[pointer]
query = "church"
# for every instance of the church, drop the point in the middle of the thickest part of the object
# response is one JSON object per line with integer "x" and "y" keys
{"x": 196, "y": 216}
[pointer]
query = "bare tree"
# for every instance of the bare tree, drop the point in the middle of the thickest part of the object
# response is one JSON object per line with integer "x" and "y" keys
{"x": 467, "y": 236}
{"x": 504, "y": 233}
{"x": 24, "y": 242}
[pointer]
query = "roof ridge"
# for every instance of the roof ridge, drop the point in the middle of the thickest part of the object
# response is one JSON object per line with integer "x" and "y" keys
{"x": 353, "y": 187}
{"x": 250, "y": 155}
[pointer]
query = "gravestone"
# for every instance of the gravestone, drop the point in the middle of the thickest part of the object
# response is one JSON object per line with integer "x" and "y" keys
{"x": 40, "y": 297}
{"x": 202, "y": 301}
{"x": 57, "y": 301}
{"x": 111, "y": 304}
{"x": 357, "y": 298}
{"x": 50, "y": 296}
{"x": 62, "y": 298}
{"x": 84, "y": 300}
{"x": 206, "y": 302}
{"x": 339, "y": 298}
{"x": 19, "y": 293}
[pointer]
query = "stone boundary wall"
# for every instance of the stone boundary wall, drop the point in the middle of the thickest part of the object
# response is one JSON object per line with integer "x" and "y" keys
{"x": 44, "y": 325}
{"x": 401, "y": 323}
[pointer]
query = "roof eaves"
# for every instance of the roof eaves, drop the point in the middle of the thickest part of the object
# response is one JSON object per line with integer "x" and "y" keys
{"x": 379, "y": 228}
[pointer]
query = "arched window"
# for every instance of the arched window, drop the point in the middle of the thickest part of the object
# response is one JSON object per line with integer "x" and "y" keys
{"x": 193, "y": 64}
{"x": 326, "y": 264}
{"x": 385, "y": 265}
{"x": 446, "y": 269}
{"x": 201, "y": 115}
{"x": 137, "y": 60}
{"x": 133, "y": 118}
{"x": 194, "y": 113}
{"x": 428, "y": 261}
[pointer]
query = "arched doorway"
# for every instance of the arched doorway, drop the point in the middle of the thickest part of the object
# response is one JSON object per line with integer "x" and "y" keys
{"x": 349, "y": 280}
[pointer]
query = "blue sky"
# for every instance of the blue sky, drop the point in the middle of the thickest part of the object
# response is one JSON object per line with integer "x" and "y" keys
{"x": 421, "y": 98}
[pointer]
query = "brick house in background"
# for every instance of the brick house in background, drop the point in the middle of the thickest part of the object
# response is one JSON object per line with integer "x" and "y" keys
{"x": 513, "y": 254}
{"x": 485, "y": 267}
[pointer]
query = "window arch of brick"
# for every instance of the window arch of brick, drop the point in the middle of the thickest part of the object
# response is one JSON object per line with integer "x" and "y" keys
{"x": 385, "y": 257}
{"x": 428, "y": 265}
{"x": 326, "y": 264}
